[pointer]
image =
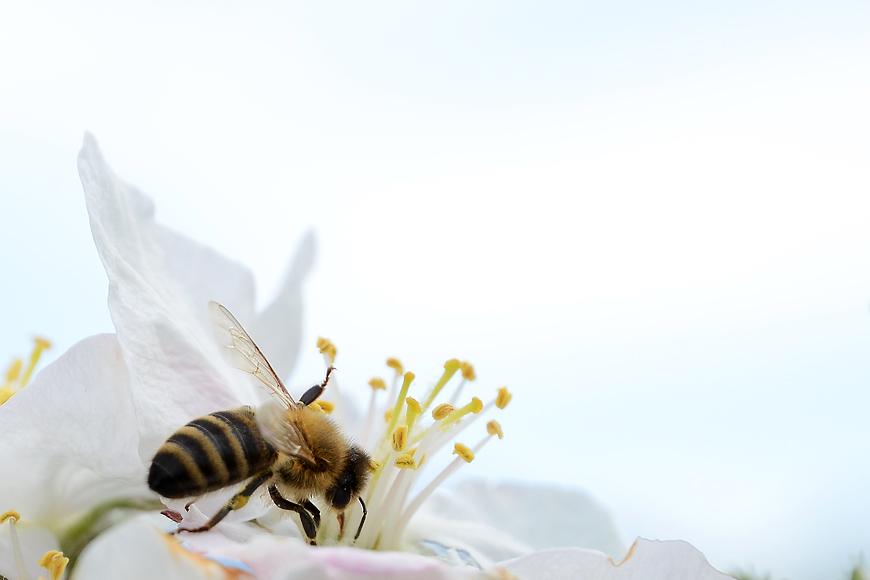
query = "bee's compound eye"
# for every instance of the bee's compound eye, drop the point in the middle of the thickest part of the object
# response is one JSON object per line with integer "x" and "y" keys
{"x": 339, "y": 497}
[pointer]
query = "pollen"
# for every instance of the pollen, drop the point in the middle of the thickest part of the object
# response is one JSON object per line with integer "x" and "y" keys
{"x": 378, "y": 384}
{"x": 406, "y": 461}
{"x": 327, "y": 348}
{"x": 463, "y": 452}
{"x": 394, "y": 363}
{"x": 375, "y": 465}
{"x": 400, "y": 438}
{"x": 55, "y": 563}
{"x": 504, "y": 397}
{"x": 467, "y": 371}
{"x": 493, "y": 428}
{"x": 326, "y": 406}
{"x": 441, "y": 411}
{"x": 9, "y": 515}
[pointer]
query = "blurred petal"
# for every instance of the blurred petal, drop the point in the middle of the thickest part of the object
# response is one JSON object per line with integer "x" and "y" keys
{"x": 278, "y": 328}
{"x": 646, "y": 560}
{"x": 275, "y": 558}
{"x": 538, "y": 516}
{"x": 175, "y": 369}
{"x": 70, "y": 438}
{"x": 140, "y": 549}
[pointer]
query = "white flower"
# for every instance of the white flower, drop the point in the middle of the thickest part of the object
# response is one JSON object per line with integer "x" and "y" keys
{"x": 83, "y": 432}
{"x": 87, "y": 427}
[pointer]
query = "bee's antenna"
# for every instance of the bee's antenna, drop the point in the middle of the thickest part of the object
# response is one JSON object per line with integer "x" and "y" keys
{"x": 314, "y": 392}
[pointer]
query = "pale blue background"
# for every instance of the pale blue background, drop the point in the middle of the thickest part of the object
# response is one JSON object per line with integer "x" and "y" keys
{"x": 649, "y": 220}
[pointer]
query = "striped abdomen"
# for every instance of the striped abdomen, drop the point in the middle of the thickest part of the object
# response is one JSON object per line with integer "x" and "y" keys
{"x": 210, "y": 453}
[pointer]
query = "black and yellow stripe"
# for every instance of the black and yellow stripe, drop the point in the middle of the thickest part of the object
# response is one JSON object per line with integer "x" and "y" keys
{"x": 210, "y": 453}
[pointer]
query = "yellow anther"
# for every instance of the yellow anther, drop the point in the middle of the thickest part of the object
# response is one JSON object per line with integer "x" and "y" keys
{"x": 400, "y": 438}
{"x": 504, "y": 397}
{"x": 55, "y": 563}
{"x": 374, "y": 465}
{"x": 41, "y": 343}
{"x": 493, "y": 428}
{"x": 463, "y": 452}
{"x": 10, "y": 515}
{"x": 406, "y": 461}
{"x": 388, "y": 415}
{"x": 378, "y": 384}
{"x": 394, "y": 363}
{"x": 14, "y": 371}
{"x": 400, "y": 402}
{"x": 442, "y": 411}
{"x": 467, "y": 371}
{"x": 475, "y": 406}
{"x": 412, "y": 413}
{"x": 450, "y": 368}
{"x": 326, "y": 347}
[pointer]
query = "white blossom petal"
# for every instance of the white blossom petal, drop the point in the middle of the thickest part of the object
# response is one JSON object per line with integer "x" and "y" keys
{"x": 537, "y": 516}
{"x": 175, "y": 368}
{"x": 140, "y": 549}
{"x": 70, "y": 437}
{"x": 278, "y": 327}
{"x": 646, "y": 560}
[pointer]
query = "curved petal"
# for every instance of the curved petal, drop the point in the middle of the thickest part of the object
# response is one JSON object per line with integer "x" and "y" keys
{"x": 70, "y": 437}
{"x": 646, "y": 560}
{"x": 522, "y": 518}
{"x": 175, "y": 368}
{"x": 141, "y": 549}
{"x": 278, "y": 328}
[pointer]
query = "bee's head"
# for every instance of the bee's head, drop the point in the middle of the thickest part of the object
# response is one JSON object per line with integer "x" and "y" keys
{"x": 352, "y": 480}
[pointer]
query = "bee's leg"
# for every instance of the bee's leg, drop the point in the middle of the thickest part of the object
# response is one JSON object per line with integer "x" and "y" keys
{"x": 314, "y": 392}
{"x": 312, "y": 509}
{"x": 238, "y": 501}
{"x": 308, "y": 525}
{"x": 363, "y": 520}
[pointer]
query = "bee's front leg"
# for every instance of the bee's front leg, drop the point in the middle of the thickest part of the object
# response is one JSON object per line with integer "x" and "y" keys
{"x": 308, "y": 522}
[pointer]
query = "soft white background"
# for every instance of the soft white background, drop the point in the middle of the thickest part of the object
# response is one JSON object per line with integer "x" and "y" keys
{"x": 649, "y": 220}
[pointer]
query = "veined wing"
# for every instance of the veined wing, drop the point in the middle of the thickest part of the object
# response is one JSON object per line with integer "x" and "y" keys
{"x": 242, "y": 352}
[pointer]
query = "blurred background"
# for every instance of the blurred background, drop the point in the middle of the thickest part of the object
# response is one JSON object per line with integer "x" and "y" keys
{"x": 649, "y": 221}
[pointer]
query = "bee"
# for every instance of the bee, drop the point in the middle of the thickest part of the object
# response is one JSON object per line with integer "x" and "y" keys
{"x": 297, "y": 452}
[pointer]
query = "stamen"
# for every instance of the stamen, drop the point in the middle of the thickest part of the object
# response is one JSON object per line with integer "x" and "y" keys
{"x": 327, "y": 348}
{"x": 463, "y": 452}
{"x": 375, "y": 465}
{"x": 394, "y": 418}
{"x": 467, "y": 375}
{"x": 55, "y": 563}
{"x": 450, "y": 368}
{"x": 412, "y": 413}
{"x": 406, "y": 461}
{"x": 493, "y": 428}
{"x": 400, "y": 438}
{"x": 504, "y": 397}
{"x": 14, "y": 371}
{"x": 376, "y": 384}
{"x": 40, "y": 344}
{"x": 441, "y": 411}
{"x": 465, "y": 456}
{"x": 12, "y": 516}
{"x": 475, "y": 406}
{"x": 394, "y": 363}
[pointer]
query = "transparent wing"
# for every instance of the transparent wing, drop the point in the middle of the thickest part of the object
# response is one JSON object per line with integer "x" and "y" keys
{"x": 240, "y": 350}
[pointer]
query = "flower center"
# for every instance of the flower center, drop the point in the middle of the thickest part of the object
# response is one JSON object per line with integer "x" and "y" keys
{"x": 15, "y": 378}
{"x": 401, "y": 437}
